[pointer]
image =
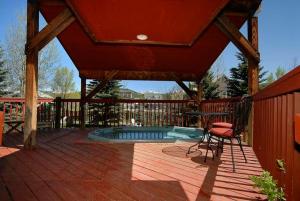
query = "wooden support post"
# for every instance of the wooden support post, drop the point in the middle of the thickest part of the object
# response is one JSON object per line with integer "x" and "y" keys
{"x": 253, "y": 71}
{"x": 57, "y": 112}
{"x": 31, "y": 77}
{"x": 1, "y": 126}
{"x": 82, "y": 102}
{"x": 199, "y": 97}
{"x": 253, "y": 65}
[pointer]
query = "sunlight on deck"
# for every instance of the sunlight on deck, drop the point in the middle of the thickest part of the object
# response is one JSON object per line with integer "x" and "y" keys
{"x": 67, "y": 166}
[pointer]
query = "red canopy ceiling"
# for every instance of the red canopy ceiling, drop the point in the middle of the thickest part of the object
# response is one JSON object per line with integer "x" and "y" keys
{"x": 181, "y": 37}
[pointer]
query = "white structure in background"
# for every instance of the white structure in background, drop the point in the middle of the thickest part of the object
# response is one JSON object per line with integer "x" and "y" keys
{"x": 133, "y": 123}
{"x": 153, "y": 95}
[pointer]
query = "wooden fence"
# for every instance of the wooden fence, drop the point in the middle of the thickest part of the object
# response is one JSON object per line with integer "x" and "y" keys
{"x": 275, "y": 109}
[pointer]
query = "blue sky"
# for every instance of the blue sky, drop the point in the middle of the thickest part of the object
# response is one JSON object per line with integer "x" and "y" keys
{"x": 279, "y": 40}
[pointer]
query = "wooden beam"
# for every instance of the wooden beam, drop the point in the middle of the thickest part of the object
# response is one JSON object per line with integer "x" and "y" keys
{"x": 31, "y": 84}
{"x": 101, "y": 85}
{"x": 190, "y": 93}
{"x": 233, "y": 33}
{"x": 82, "y": 102}
{"x": 52, "y": 3}
{"x": 139, "y": 75}
{"x": 55, "y": 27}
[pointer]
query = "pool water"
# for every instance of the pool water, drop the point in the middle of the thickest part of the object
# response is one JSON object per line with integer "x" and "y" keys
{"x": 146, "y": 134}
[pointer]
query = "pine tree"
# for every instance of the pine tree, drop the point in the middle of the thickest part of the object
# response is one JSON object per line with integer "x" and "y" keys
{"x": 3, "y": 75}
{"x": 105, "y": 113}
{"x": 238, "y": 81}
{"x": 210, "y": 87}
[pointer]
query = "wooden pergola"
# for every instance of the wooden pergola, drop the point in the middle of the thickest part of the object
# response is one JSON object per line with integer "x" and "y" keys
{"x": 138, "y": 40}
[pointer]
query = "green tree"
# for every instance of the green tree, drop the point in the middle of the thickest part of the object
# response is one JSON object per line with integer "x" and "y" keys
{"x": 210, "y": 86}
{"x": 279, "y": 72}
{"x": 3, "y": 75}
{"x": 176, "y": 93}
{"x": 105, "y": 113}
{"x": 270, "y": 79}
{"x": 15, "y": 58}
{"x": 63, "y": 82}
{"x": 238, "y": 80}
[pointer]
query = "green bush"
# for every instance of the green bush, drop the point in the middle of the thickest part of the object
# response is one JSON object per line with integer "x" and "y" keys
{"x": 268, "y": 186}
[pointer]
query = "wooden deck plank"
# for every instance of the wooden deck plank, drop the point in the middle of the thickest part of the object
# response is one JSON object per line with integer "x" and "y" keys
{"x": 118, "y": 176}
{"x": 248, "y": 179}
{"x": 67, "y": 167}
{"x": 68, "y": 180}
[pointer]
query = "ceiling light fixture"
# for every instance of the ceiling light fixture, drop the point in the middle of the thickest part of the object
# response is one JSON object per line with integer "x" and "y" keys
{"x": 142, "y": 37}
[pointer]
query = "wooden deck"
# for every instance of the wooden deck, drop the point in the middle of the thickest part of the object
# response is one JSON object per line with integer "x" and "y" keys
{"x": 66, "y": 166}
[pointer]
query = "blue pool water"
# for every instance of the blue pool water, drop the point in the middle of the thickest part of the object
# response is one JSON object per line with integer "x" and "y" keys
{"x": 146, "y": 134}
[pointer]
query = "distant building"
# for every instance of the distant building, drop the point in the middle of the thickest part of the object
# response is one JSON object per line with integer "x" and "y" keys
{"x": 153, "y": 95}
{"x": 125, "y": 93}
{"x": 222, "y": 81}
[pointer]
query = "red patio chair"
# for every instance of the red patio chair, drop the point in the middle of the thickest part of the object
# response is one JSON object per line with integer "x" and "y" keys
{"x": 241, "y": 115}
{"x": 222, "y": 125}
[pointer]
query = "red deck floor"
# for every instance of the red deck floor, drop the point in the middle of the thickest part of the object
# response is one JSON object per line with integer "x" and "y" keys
{"x": 65, "y": 166}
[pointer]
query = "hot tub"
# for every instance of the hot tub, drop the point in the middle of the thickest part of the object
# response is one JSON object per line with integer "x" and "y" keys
{"x": 146, "y": 134}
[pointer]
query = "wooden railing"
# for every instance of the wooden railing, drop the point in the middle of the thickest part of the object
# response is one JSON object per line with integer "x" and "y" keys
{"x": 220, "y": 105}
{"x": 116, "y": 112}
{"x": 103, "y": 112}
{"x": 274, "y": 131}
{"x": 14, "y": 109}
{"x": 124, "y": 112}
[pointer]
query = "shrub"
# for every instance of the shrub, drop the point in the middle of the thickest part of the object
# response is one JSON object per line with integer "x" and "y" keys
{"x": 268, "y": 186}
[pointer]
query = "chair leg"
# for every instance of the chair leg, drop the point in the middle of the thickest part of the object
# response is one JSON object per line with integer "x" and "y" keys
{"x": 222, "y": 145}
{"x": 217, "y": 154}
{"x": 208, "y": 147}
{"x": 233, "y": 164}
{"x": 241, "y": 147}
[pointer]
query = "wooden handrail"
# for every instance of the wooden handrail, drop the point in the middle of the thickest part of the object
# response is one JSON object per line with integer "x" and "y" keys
{"x": 222, "y": 100}
{"x": 108, "y": 100}
{"x": 22, "y": 100}
{"x": 286, "y": 84}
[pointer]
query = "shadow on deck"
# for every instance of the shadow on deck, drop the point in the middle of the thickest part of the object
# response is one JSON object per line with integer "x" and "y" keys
{"x": 66, "y": 166}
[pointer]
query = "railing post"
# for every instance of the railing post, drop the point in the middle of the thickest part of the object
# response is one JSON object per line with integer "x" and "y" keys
{"x": 57, "y": 112}
{"x": 199, "y": 97}
{"x": 82, "y": 102}
{"x": 1, "y": 126}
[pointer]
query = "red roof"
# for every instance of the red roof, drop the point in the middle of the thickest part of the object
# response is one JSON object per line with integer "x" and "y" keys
{"x": 181, "y": 36}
